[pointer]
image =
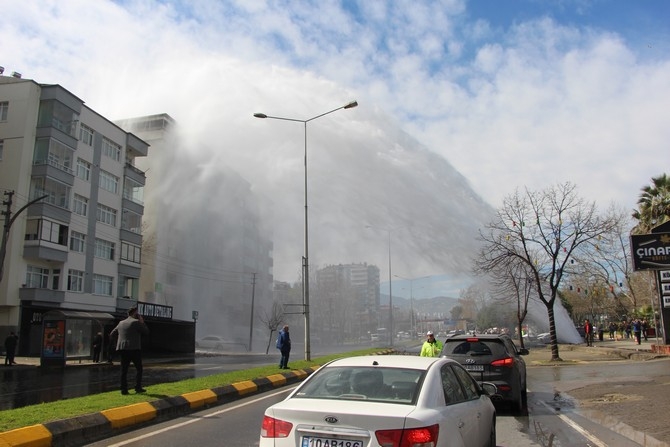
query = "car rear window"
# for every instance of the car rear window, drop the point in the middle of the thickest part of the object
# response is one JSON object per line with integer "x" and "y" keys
{"x": 474, "y": 346}
{"x": 397, "y": 385}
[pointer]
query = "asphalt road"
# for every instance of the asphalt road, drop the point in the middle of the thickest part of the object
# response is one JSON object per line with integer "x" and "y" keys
{"x": 548, "y": 422}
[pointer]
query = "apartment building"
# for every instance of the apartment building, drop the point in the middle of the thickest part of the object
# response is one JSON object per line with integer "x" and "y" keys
{"x": 345, "y": 301}
{"x": 77, "y": 248}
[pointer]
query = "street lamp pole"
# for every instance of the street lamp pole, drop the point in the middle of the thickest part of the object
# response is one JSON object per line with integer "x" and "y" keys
{"x": 411, "y": 299}
{"x": 305, "y": 260}
{"x": 388, "y": 231}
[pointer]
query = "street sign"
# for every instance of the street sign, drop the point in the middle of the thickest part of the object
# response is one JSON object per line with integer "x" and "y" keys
{"x": 650, "y": 251}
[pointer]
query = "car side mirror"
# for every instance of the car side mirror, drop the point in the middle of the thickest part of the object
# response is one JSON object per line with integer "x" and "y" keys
{"x": 523, "y": 351}
{"x": 489, "y": 388}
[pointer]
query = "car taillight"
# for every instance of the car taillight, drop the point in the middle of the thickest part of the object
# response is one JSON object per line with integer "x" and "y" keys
{"x": 506, "y": 362}
{"x": 275, "y": 428}
{"x": 408, "y": 437}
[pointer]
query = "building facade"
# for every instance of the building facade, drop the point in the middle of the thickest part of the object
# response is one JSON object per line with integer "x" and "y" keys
{"x": 345, "y": 303}
{"x": 78, "y": 247}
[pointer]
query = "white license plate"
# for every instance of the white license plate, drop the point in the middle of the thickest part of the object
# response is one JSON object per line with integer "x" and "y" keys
{"x": 311, "y": 441}
{"x": 474, "y": 367}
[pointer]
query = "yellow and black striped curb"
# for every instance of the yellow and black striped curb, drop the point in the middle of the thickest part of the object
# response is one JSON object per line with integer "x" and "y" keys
{"x": 93, "y": 427}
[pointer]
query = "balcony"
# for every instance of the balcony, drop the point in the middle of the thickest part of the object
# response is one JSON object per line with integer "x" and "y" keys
{"x": 41, "y": 295}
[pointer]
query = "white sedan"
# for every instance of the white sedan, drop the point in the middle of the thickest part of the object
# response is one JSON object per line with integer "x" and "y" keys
{"x": 384, "y": 401}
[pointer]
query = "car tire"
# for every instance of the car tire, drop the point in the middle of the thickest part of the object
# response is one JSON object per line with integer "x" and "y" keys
{"x": 219, "y": 347}
{"x": 492, "y": 435}
{"x": 520, "y": 405}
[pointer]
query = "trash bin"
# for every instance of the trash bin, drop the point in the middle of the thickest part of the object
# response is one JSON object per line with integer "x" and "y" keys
{"x": 600, "y": 334}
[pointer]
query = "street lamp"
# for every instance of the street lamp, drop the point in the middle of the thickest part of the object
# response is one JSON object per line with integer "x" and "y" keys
{"x": 411, "y": 299}
{"x": 305, "y": 260}
{"x": 390, "y": 289}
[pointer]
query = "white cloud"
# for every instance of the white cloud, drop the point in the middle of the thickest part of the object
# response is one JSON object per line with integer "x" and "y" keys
{"x": 532, "y": 104}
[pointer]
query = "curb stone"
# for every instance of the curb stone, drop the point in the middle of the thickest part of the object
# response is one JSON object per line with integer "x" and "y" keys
{"x": 94, "y": 427}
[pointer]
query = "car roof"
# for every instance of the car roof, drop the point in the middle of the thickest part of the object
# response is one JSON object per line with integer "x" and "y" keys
{"x": 388, "y": 361}
{"x": 478, "y": 336}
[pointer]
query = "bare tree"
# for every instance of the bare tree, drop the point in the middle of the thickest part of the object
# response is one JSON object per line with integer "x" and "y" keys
{"x": 272, "y": 319}
{"x": 543, "y": 230}
{"x": 515, "y": 286}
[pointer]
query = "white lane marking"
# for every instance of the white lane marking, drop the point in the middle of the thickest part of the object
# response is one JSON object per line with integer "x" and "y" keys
{"x": 182, "y": 424}
{"x": 576, "y": 427}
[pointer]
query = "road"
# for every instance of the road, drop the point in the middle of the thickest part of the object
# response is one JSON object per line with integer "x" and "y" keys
{"x": 552, "y": 418}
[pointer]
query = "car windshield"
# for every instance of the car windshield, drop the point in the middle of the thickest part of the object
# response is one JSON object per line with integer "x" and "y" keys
{"x": 473, "y": 347}
{"x": 396, "y": 385}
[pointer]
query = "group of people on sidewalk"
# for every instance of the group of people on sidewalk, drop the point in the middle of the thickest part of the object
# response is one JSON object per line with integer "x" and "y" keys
{"x": 637, "y": 329}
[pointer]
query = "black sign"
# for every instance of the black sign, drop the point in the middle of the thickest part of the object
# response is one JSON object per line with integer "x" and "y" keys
{"x": 650, "y": 251}
{"x": 155, "y": 310}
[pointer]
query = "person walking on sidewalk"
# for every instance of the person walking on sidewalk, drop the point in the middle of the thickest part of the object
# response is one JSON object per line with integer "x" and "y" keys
{"x": 129, "y": 345}
{"x": 588, "y": 332}
{"x": 431, "y": 347}
{"x": 284, "y": 346}
{"x": 10, "y": 348}
{"x": 97, "y": 347}
{"x": 637, "y": 331}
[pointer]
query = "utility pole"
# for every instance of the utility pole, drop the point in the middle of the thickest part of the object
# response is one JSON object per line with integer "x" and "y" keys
{"x": 251, "y": 317}
{"x": 9, "y": 220}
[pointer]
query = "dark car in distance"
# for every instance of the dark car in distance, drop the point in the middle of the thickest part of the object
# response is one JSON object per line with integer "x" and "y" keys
{"x": 492, "y": 358}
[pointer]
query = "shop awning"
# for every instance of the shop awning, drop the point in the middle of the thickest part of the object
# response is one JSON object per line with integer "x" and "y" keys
{"x": 77, "y": 314}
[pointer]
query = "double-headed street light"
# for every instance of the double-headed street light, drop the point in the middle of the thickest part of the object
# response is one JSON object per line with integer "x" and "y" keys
{"x": 305, "y": 260}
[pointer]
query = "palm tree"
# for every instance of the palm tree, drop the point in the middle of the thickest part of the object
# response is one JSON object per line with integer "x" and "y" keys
{"x": 654, "y": 205}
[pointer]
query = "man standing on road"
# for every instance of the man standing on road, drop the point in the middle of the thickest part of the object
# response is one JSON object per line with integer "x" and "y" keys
{"x": 431, "y": 347}
{"x": 284, "y": 346}
{"x": 129, "y": 345}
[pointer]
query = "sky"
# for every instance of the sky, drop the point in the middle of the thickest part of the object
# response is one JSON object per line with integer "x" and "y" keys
{"x": 513, "y": 94}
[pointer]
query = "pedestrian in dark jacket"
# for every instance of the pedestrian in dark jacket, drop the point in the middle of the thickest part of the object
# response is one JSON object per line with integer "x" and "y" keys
{"x": 10, "y": 348}
{"x": 284, "y": 346}
{"x": 97, "y": 347}
{"x": 129, "y": 345}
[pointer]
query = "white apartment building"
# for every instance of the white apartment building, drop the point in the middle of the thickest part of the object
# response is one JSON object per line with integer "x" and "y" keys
{"x": 77, "y": 250}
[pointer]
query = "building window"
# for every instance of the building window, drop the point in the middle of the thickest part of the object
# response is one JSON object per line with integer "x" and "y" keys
{"x": 4, "y": 109}
{"x": 133, "y": 190}
{"x": 86, "y": 135}
{"x": 2, "y": 148}
{"x": 131, "y": 221}
{"x": 54, "y": 153}
{"x": 106, "y": 215}
{"x": 83, "y": 169}
{"x": 131, "y": 253}
{"x": 111, "y": 149}
{"x": 46, "y": 230}
{"x": 109, "y": 182}
{"x": 58, "y": 194}
{"x": 56, "y": 114}
{"x": 104, "y": 249}
{"x": 77, "y": 242}
{"x": 75, "y": 280}
{"x": 80, "y": 205}
{"x": 102, "y": 285}
{"x": 37, "y": 277}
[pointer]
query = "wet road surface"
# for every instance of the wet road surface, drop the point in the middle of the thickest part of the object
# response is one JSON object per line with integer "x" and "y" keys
{"x": 23, "y": 386}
